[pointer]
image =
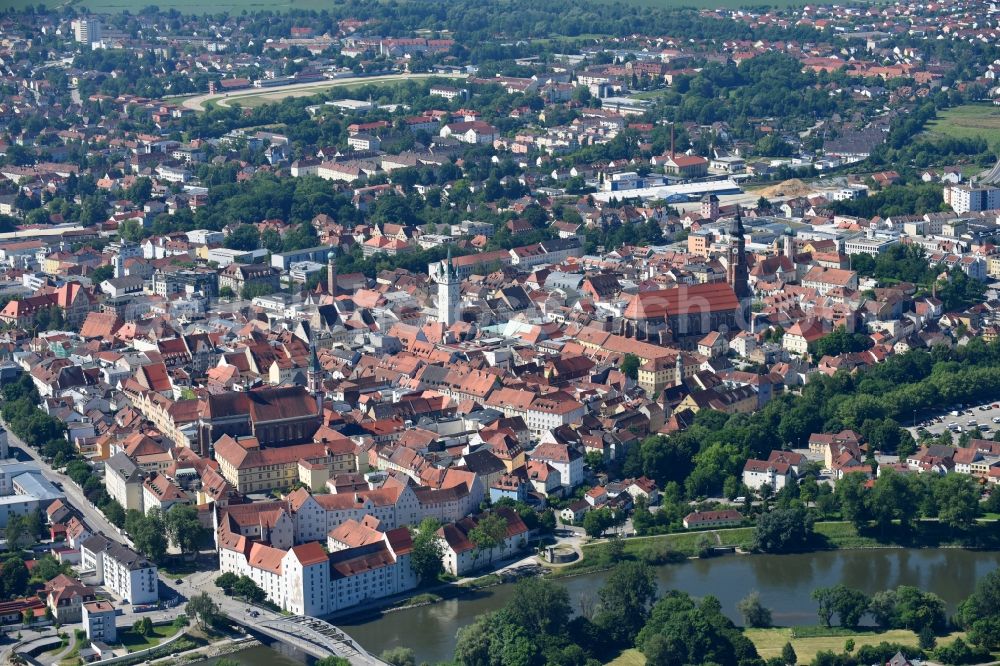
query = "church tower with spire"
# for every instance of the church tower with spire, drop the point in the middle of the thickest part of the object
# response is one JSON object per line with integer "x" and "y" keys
{"x": 449, "y": 291}
{"x": 314, "y": 377}
{"x": 331, "y": 273}
{"x": 737, "y": 273}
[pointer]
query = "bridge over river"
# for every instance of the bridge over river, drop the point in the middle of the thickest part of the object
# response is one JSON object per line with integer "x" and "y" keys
{"x": 315, "y": 637}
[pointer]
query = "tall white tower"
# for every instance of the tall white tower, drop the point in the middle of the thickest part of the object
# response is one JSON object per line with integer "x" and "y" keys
{"x": 449, "y": 291}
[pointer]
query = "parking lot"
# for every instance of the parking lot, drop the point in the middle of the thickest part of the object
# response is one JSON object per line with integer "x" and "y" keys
{"x": 966, "y": 419}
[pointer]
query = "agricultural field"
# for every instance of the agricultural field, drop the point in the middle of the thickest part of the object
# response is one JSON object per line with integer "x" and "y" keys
{"x": 967, "y": 121}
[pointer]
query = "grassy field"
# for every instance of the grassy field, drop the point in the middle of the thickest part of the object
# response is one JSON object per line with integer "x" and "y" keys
{"x": 770, "y": 641}
{"x": 967, "y": 121}
{"x": 656, "y": 549}
{"x": 135, "y": 642}
{"x": 630, "y": 657}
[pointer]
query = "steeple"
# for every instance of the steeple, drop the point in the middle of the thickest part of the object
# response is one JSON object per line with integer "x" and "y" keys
{"x": 449, "y": 291}
{"x": 314, "y": 377}
{"x": 737, "y": 273}
{"x": 331, "y": 273}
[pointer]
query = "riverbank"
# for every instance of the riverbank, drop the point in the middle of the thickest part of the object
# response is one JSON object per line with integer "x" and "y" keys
{"x": 673, "y": 548}
{"x": 785, "y": 584}
{"x": 834, "y": 535}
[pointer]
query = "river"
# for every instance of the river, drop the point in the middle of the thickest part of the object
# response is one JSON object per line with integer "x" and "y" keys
{"x": 785, "y": 583}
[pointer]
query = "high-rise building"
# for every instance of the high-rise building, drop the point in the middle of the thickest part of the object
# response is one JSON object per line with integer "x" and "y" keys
{"x": 449, "y": 292}
{"x": 87, "y": 30}
{"x": 972, "y": 197}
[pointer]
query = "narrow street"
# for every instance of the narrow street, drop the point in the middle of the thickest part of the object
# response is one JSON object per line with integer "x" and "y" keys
{"x": 74, "y": 495}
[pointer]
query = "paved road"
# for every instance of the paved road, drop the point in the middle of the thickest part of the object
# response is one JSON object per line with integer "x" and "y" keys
{"x": 74, "y": 495}
{"x": 295, "y": 89}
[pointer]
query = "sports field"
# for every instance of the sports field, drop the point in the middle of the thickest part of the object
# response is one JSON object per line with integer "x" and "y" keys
{"x": 969, "y": 120}
{"x": 253, "y": 97}
{"x": 251, "y": 101}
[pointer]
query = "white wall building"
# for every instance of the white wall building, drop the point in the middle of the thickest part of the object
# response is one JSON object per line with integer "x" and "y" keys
{"x": 124, "y": 572}
{"x": 305, "y": 580}
{"x": 775, "y": 474}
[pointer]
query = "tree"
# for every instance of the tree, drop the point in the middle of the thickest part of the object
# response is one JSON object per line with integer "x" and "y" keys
{"x": 891, "y": 499}
{"x": 244, "y": 237}
{"x": 957, "y": 499}
{"x": 148, "y": 534}
{"x": 101, "y": 273}
{"x": 226, "y": 581}
{"x": 850, "y": 494}
{"x": 824, "y": 598}
{"x": 226, "y": 292}
{"x": 926, "y": 639}
{"x": 114, "y": 512}
{"x": 130, "y": 230}
{"x": 203, "y": 608}
{"x": 253, "y": 290}
{"x": 753, "y": 611}
{"x": 959, "y": 652}
{"x": 248, "y": 589}
{"x": 427, "y": 553}
{"x": 849, "y": 604}
{"x": 917, "y": 610}
{"x": 680, "y": 631}
{"x": 143, "y": 626}
{"x": 184, "y": 528}
{"x": 625, "y": 600}
{"x": 882, "y": 608}
{"x": 140, "y": 191}
{"x": 783, "y": 530}
{"x": 616, "y": 548}
{"x": 472, "y": 642}
{"x": 14, "y": 576}
{"x": 539, "y": 606}
{"x": 596, "y": 521}
{"x": 788, "y": 655}
{"x": 630, "y": 366}
{"x": 979, "y": 615}
{"x": 16, "y": 533}
{"x": 332, "y": 661}
{"x": 399, "y": 656}
{"x": 489, "y": 532}
{"x": 839, "y": 342}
